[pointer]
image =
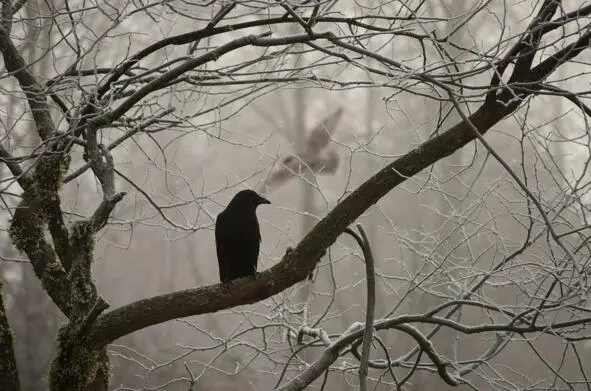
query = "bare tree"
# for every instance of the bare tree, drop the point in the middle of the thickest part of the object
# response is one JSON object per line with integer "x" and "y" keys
{"x": 117, "y": 102}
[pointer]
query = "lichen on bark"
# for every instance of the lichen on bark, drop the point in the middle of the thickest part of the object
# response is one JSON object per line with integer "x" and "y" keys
{"x": 76, "y": 363}
{"x": 9, "y": 379}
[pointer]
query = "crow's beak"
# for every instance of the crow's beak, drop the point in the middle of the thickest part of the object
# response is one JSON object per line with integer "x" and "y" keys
{"x": 263, "y": 201}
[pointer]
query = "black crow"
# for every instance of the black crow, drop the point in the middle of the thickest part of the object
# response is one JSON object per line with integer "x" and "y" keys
{"x": 237, "y": 236}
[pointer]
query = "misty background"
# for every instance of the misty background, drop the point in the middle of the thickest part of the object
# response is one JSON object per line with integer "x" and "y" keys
{"x": 431, "y": 237}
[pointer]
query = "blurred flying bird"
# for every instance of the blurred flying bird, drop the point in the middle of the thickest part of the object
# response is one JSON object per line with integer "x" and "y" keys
{"x": 237, "y": 236}
{"x": 316, "y": 155}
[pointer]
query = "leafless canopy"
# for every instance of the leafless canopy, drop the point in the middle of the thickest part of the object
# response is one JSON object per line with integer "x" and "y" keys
{"x": 120, "y": 94}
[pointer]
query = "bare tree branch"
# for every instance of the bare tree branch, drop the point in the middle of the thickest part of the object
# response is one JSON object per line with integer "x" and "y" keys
{"x": 364, "y": 244}
{"x": 159, "y": 90}
{"x": 23, "y": 179}
{"x": 15, "y": 64}
{"x": 299, "y": 263}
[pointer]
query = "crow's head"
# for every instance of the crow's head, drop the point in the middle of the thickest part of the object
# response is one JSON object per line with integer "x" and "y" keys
{"x": 247, "y": 199}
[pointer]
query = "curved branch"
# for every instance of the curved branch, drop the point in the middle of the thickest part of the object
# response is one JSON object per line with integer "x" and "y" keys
{"x": 162, "y": 81}
{"x": 332, "y": 353}
{"x": 355, "y": 332}
{"x": 328, "y": 356}
{"x": 296, "y": 265}
{"x": 371, "y": 302}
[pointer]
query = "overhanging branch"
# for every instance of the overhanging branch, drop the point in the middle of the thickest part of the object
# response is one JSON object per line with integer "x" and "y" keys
{"x": 296, "y": 265}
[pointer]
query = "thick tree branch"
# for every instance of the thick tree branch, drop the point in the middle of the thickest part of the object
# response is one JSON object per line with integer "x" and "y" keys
{"x": 296, "y": 265}
{"x": 101, "y": 215}
{"x": 549, "y": 65}
{"x": 530, "y": 41}
{"x": 23, "y": 179}
{"x": 26, "y": 233}
{"x": 538, "y": 28}
{"x": 82, "y": 341}
{"x": 41, "y": 202}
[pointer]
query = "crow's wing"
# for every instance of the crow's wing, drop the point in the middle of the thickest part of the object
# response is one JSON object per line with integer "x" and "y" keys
{"x": 249, "y": 242}
{"x": 223, "y": 245}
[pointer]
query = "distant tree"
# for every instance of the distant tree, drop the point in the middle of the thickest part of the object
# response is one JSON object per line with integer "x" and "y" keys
{"x": 99, "y": 101}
